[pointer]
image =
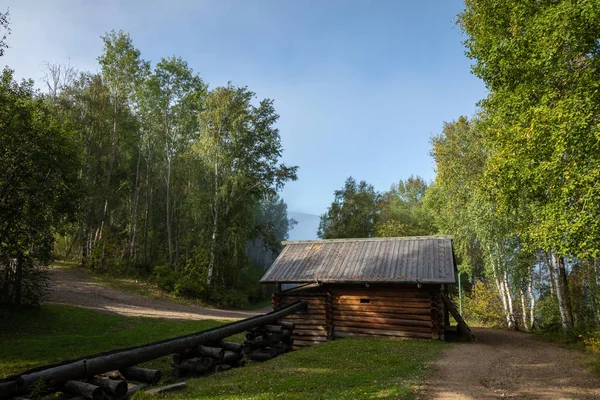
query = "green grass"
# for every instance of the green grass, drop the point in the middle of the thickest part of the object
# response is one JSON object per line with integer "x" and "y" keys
{"x": 53, "y": 333}
{"x": 344, "y": 369}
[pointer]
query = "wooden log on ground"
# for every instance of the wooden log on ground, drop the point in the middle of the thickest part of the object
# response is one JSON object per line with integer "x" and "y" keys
{"x": 287, "y": 325}
{"x": 84, "y": 389}
{"x": 212, "y": 352}
{"x": 381, "y": 332}
{"x": 132, "y": 390}
{"x": 232, "y": 357}
{"x": 146, "y": 375}
{"x": 229, "y": 346}
{"x": 112, "y": 386}
{"x": 8, "y": 389}
{"x": 199, "y": 366}
{"x": 87, "y": 367}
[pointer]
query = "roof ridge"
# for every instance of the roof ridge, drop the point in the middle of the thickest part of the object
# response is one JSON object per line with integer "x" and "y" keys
{"x": 374, "y": 239}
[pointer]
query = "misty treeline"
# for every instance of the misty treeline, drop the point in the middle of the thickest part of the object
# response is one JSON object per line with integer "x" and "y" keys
{"x": 518, "y": 184}
{"x": 166, "y": 179}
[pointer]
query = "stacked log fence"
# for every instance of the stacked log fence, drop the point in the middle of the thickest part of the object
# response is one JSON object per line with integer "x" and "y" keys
{"x": 116, "y": 374}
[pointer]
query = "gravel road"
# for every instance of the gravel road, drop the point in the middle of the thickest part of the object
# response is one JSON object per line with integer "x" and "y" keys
{"x": 510, "y": 365}
{"x": 69, "y": 288}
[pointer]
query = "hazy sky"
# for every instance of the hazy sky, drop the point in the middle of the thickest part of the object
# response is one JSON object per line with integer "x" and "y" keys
{"x": 360, "y": 86}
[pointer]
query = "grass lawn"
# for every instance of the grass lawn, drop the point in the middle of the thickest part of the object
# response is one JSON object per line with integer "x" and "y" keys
{"x": 351, "y": 368}
{"x": 53, "y": 333}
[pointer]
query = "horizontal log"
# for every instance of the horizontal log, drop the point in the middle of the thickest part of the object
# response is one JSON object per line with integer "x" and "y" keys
{"x": 381, "y": 332}
{"x": 378, "y": 292}
{"x": 309, "y": 342}
{"x": 112, "y": 386}
{"x": 319, "y": 300}
{"x": 232, "y": 357}
{"x": 406, "y": 304}
{"x": 383, "y": 296}
{"x": 287, "y": 325}
{"x": 384, "y": 321}
{"x": 228, "y": 346}
{"x": 198, "y": 366}
{"x": 208, "y": 351}
{"x": 309, "y": 322}
{"x": 307, "y": 318}
{"x": 7, "y": 389}
{"x": 301, "y": 328}
{"x": 343, "y": 335}
{"x": 377, "y": 314}
{"x": 300, "y": 335}
{"x": 89, "y": 366}
{"x": 313, "y": 312}
{"x": 138, "y": 374}
{"x": 399, "y": 328}
{"x": 84, "y": 389}
{"x": 399, "y": 310}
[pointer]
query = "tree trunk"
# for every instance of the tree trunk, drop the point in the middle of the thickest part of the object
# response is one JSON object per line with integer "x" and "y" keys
{"x": 551, "y": 278}
{"x": 562, "y": 292}
{"x": 524, "y": 313}
{"x": 509, "y": 300}
{"x": 134, "y": 208}
{"x": 169, "y": 234}
{"x": 531, "y": 304}
{"x": 213, "y": 246}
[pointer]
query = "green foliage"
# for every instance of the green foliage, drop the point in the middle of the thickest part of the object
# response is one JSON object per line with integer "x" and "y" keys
{"x": 403, "y": 212}
{"x": 4, "y": 31}
{"x": 165, "y": 277}
{"x": 354, "y": 212}
{"x": 483, "y": 306}
{"x": 39, "y": 186}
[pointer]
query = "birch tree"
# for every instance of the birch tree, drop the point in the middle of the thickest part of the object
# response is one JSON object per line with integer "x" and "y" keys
{"x": 241, "y": 147}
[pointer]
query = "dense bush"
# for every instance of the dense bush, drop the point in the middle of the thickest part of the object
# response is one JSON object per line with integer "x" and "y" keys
{"x": 483, "y": 305}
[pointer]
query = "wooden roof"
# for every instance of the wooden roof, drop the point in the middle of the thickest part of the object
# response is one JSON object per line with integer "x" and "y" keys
{"x": 424, "y": 259}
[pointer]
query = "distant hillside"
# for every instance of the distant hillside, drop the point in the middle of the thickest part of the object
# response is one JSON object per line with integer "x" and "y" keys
{"x": 307, "y": 226}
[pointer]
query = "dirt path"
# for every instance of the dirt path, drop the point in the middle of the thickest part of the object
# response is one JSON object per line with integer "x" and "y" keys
{"x": 504, "y": 364}
{"x": 69, "y": 288}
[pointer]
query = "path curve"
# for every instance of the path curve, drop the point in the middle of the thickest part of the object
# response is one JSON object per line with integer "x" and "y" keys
{"x": 510, "y": 365}
{"x": 67, "y": 287}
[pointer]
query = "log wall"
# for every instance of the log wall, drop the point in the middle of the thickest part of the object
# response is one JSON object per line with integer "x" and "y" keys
{"x": 338, "y": 311}
{"x": 313, "y": 325}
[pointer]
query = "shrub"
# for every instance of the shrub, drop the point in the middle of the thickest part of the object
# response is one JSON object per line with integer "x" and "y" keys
{"x": 483, "y": 305}
{"x": 165, "y": 277}
{"x": 190, "y": 287}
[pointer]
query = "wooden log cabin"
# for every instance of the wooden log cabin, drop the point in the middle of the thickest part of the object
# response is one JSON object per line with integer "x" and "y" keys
{"x": 382, "y": 287}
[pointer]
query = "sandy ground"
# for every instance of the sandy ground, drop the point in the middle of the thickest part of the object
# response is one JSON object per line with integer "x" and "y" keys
{"x": 68, "y": 288}
{"x": 513, "y": 365}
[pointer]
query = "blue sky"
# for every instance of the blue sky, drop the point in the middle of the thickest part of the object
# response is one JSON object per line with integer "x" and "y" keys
{"x": 360, "y": 86}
